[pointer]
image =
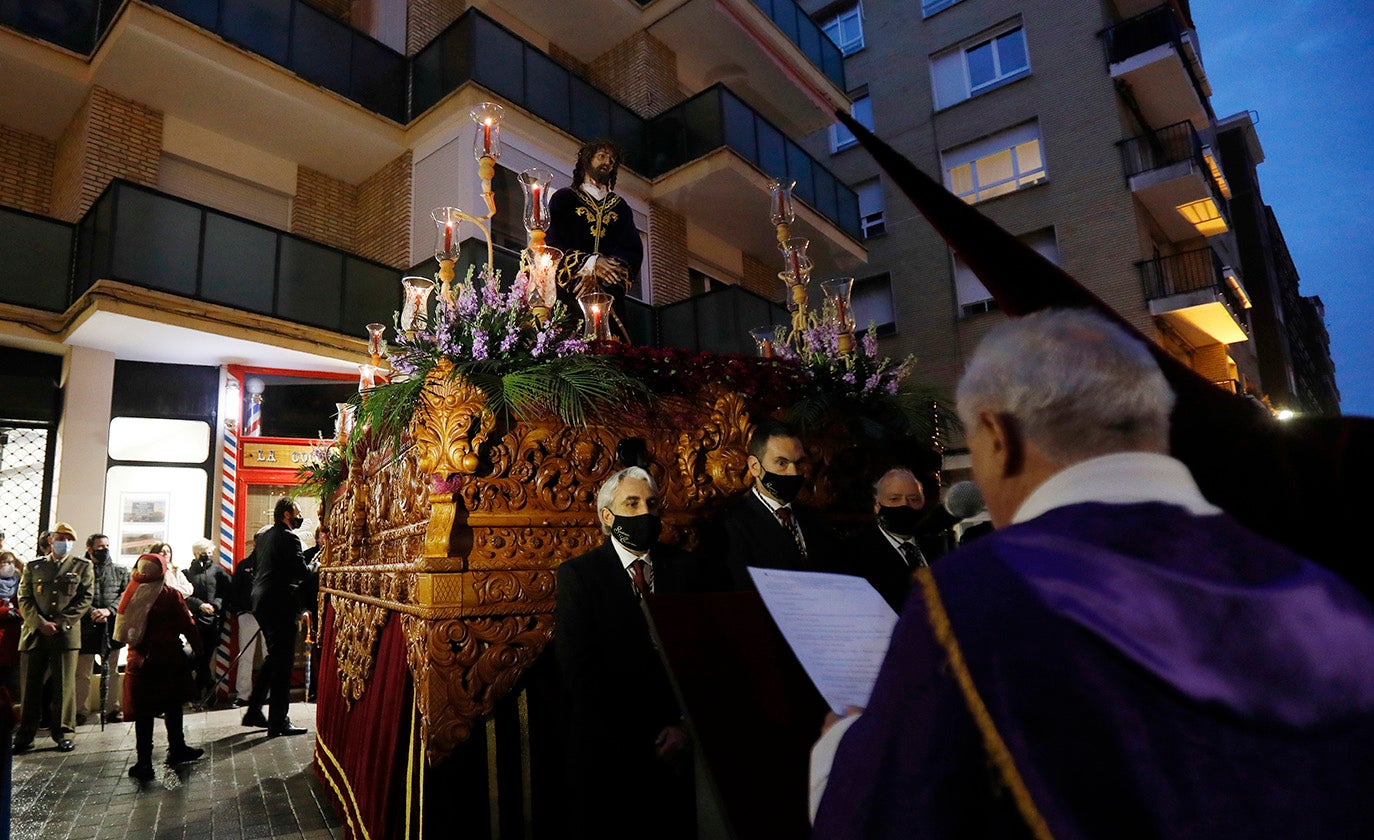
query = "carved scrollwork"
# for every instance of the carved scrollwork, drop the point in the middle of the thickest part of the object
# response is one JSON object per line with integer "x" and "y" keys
{"x": 451, "y": 424}
{"x": 356, "y": 628}
{"x": 463, "y": 666}
{"x": 712, "y": 458}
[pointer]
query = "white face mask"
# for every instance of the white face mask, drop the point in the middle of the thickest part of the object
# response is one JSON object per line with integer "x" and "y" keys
{"x": 7, "y": 571}
{"x": 61, "y": 548}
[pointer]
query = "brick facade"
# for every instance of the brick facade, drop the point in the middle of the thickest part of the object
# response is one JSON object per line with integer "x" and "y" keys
{"x": 668, "y": 256}
{"x": 26, "y": 162}
{"x": 325, "y": 209}
{"x": 761, "y": 278}
{"x": 338, "y": 9}
{"x": 641, "y": 72}
{"x": 110, "y": 137}
{"x": 383, "y": 214}
{"x": 567, "y": 59}
{"x": 425, "y": 19}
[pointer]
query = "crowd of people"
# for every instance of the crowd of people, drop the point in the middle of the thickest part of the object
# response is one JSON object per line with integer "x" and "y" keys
{"x": 67, "y": 618}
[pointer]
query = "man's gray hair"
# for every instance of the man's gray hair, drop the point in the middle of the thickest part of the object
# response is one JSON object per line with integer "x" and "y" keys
{"x": 897, "y": 472}
{"x": 605, "y": 497}
{"x": 1078, "y": 385}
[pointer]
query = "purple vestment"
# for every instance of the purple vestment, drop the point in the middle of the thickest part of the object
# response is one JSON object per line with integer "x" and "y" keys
{"x": 1152, "y": 673}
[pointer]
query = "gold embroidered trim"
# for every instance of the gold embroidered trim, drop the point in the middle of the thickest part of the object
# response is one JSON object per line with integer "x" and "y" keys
{"x": 992, "y": 741}
{"x": 359, "y": 828}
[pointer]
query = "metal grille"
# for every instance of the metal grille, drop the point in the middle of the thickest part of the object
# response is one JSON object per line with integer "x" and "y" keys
{"x": 23, "y": 454}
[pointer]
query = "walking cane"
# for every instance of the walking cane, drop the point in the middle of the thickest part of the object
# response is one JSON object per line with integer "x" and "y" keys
{"x": 225, "y": 676}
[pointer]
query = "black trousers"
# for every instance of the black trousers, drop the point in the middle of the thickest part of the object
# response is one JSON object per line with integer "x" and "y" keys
{"x": 143, "y": 734}
{"x": 274, "y": 680}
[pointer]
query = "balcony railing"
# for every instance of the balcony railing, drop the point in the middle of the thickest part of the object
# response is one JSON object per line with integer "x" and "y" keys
{"x": 1172, "y": 144}
{"x": 1144, "y": 32}
{"x": 36, "y": 270}
{"x": 1190, "y": 271}
{"x": 146, "y": 238}
{"x": 717, "y": 118}
{"x": 75, "y": 25}
{"x": 801, "y": 30}
{"x": 718, "y": 321}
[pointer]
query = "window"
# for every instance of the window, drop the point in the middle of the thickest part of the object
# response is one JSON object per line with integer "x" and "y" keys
{"x": 842, "y": 138}
{"x": 166, "y": 441}
{"x": 699, "y": 283}
{"x": 930, "y": 7}
{"x": 973, "y": 295}
{"x": 871, "y": 300}
{"x": 846, "y": 29}
{"x": 979, "y": 67}
{"x": 993, "y": 166}
{"x": 871, "y": 219}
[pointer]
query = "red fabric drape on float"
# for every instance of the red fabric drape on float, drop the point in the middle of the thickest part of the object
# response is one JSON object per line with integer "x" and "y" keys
{"x": 1304, "y": 483}
{"x": 356, "y": 749}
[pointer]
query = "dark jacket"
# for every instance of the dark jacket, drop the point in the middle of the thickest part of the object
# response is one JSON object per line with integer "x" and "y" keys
{"x": 111, "y": 579}
{"x": 241, "y": 584}
{"x": 747, "y": 533}
{"x": 280, "y": 572}
{"x": 872, "y": 557}
{"x": 210, "y": 584}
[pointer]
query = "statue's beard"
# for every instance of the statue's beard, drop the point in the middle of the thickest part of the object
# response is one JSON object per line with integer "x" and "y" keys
{"x": 601, "y": 176}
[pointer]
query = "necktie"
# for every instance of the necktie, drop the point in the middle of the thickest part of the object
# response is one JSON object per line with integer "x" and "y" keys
{"x": 640, "y": 580}
{"x": 790, "y": 523}
{"x": 913, "y": 555}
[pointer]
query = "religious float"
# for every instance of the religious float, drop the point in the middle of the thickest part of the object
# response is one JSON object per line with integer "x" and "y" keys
{"x": 456, "y": 488}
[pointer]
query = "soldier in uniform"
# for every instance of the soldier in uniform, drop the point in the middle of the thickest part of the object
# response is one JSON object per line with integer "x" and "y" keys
{"x": 595, "y": 230}
{"x": 54, "y": 594}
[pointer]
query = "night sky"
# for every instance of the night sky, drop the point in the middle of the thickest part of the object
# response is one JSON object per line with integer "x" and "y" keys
{"x": 1307, "y": 69}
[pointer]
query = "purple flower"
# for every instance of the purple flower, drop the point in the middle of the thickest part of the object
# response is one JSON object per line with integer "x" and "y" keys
{"x": 870, "y": 342}
{"x": 848, "y": 377}
{"x": 509, "y": 342}
{"x": 541, "y": 340}
{"x": 467, "y": 302}
{"x": 479, "y": 345}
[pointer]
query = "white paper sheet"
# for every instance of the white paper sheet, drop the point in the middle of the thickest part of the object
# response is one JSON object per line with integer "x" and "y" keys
{"x": 838, "y": 626}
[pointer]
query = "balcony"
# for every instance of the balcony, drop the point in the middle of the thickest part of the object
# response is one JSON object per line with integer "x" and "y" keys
{"x": 1153, "y": 55}
{"x": 712, "y": 159}
{"x": 35, "y": 272}
{"x": 769, "y": 50}
{"x": 1195, "y": 294}
{"x": 1170, "y": 172}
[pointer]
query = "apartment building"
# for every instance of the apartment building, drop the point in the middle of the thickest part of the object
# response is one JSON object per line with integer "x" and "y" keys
{"x": 1084, "y": 127}
{"x": 203, "y": 202}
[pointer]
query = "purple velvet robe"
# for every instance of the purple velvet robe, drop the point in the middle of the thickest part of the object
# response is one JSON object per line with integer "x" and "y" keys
{"x": 1152, "y": 674}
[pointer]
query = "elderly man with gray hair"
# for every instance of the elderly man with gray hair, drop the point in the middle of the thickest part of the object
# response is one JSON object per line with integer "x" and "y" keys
{"x": 626, "y": 746}
{"x": 1120, "y": 658}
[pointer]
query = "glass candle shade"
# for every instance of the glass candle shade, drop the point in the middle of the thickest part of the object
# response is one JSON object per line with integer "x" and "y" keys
{"x": 837, "y": 301}
{"x": 367, "y": 378}
{"x": 535, "y": 182}
{"x": 486, "y": 140}
{"x": 446, "y": 222}
{"x": 794, "y": 259}
{"x": 541, "y": 287}
{"x": 343, "y": 421}
{"x": 782, "y": 212}
{"x": 763, "y": 340}
{"x": 415, "y": 301}
{"x": 376, "y": 343}
{"x": 596, "y": 310}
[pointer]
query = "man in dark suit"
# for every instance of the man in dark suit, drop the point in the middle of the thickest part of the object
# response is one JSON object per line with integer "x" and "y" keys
{"x": 626, "y": 744}
{"x": 887, "y": 552}
{"x": 280, "y": 570}
{"x": 763, "y": 526}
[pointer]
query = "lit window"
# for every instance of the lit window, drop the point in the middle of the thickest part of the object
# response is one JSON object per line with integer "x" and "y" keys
{"x": 993, "y": 166}
{"x": 871, "y": 217}
{"x": 846, "y": 29}
{"x": 160, "y": 441}
{"x": 974, "y": 297}
{"x": 1203, "y": 215}
{"x": 841, "y": 137}
{"x": 979, "y": 66}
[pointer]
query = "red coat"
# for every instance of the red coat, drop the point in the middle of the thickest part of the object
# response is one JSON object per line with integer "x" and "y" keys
{"x": 10, "y": 625}
{"x": 158, "y": 676}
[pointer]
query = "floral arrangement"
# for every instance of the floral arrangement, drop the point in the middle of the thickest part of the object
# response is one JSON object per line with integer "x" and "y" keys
{"x": 323, "y": 473}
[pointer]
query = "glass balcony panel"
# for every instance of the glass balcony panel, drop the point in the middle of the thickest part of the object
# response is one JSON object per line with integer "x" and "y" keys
{"x": 378, "y": 78}
{"x": 442, "y": 66}
{"x": 238, "y": 264}
{"x": 310, "y": 284}
{"x": 627, "y": 130}
{"x": 548, "y": 89}
{"x": 37, "y": 253}
{"x": 591, "y": 111}
{"x": 639, "y": 322}
{"x": 799, "y": 168}
{"x": 718, "y": 326}
{"x": 262, "y": 26}
{"x": 203, "y": 13}
{"x": 321, "y": 48}
{"x": 739, "y": 129}
{"x": 372, "y": 293}
{"x": 772, "y": 150}
{"x": 701, "y": 119}
{"x": 67, "y": 23}
{"x": 825, "y": 193}
{"x": 678, "y": 325}
{"x": 156, "y": 241}
{"x": 847, "y": 210}
{"x": 498, "y": 63}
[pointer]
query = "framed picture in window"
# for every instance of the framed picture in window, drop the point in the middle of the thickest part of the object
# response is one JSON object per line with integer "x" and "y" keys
{"x": 142, "y": 522}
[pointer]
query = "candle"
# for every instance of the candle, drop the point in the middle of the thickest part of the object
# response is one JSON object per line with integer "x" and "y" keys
{"x": 448, "y": 237}
{"x": 486, "y": 137}
{"x": 767, "y": 349}
{"x": 534, "y": 196}
{"x": 795, "y": 259}
{"x": 782, "y": 204}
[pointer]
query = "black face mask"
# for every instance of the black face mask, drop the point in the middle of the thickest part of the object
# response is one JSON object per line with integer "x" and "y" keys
{"x": 899, "y": 519}
{"x": 296, "y": 522}
{"x": 100, "y": 555}
{"x": 784, "y": 488}
{"x": 637, "y": 533}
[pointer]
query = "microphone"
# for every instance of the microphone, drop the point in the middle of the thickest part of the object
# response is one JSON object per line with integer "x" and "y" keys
{"x": 963, "y": 500}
